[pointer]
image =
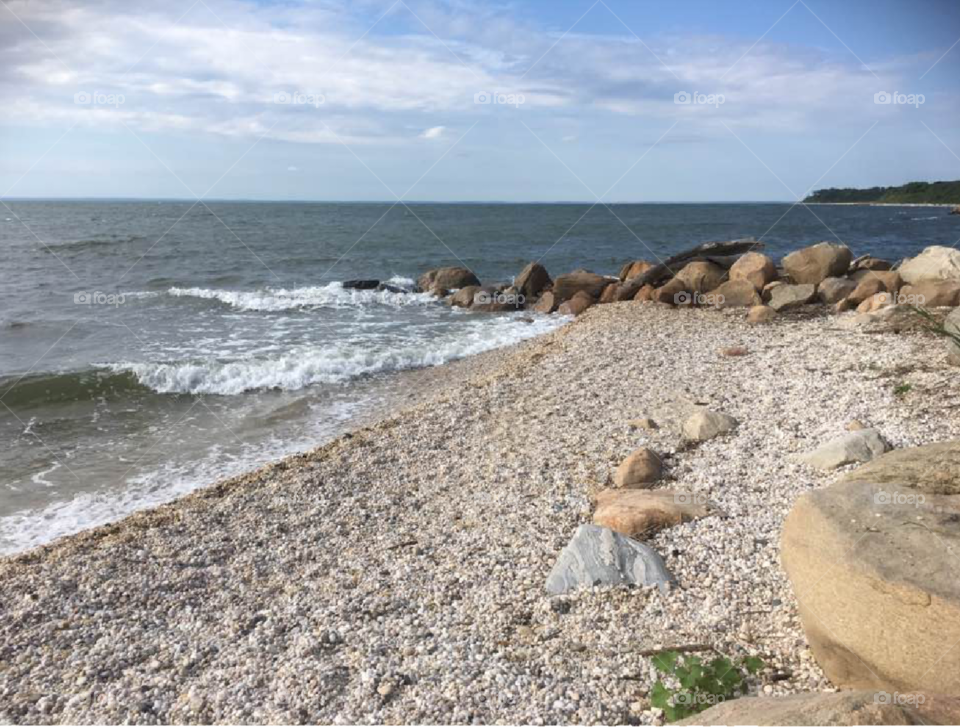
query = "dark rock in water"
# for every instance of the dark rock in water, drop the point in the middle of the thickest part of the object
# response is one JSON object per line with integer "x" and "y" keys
{"x": 360, "y": 284}
{"x": 390, "y": 288}
{"x": 598, "y": 556}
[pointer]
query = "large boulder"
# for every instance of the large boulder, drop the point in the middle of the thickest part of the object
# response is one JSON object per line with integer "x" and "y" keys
{"x": 873, "y": 562}
{"x": 701, "y": 277}
{"x": 812, "y": 265}
{"x": 871, "y": 284}
{"x": 673, "y": 292}
{"x": 641, "y": 469}
{"x": 934, "y": 263}
{"x": 576, "y": 305}
{"x": 833, "y": 290}
{"x": 737, "y": 294}
{"x": 532, "y": 280}
{"x": 641, "y": 513}
{"x": 448, "y": 278}
{"x": 609, "y": 294}
{"x": 547, "y": 303}
{"x": 858, "y": 446}
{"x": 754, "y": 267}
{"x": 786, "y": 297}
{"x": 634, "y": 268}
{"x": 463, "y": 298}
{"x": 598, "y": 556}
{"x": 932, "y": 293}
{"x": 859, "y": 707}
{"x": 567, "y": 286}
{"x": 705, "y": 424}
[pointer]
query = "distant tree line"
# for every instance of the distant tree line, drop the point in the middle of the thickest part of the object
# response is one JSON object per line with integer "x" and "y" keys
{"x": 911, "y": 193}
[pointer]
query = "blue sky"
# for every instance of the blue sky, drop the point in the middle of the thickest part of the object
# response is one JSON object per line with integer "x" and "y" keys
{"x": 375, "y": 100}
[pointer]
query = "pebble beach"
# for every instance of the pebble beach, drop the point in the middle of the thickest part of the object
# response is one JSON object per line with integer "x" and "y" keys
{"x": 396, "y": 574}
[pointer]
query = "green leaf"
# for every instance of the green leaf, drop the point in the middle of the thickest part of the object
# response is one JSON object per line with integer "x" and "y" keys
{"x": 753, "y": 664}
{"x": 666, "y": 661}
{"x": 660, "y": 695}
{"x": 672, "y": 714}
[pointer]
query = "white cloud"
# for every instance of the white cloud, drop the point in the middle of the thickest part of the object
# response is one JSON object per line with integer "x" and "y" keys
{"x": 434, "y": 132}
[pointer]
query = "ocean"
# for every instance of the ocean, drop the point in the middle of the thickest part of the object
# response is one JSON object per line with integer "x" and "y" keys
{"x": 150, "y": 347}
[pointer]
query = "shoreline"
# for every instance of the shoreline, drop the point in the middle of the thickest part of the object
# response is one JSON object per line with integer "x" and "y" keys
{"x": 359, "y": 581}
{"x": 884, "y": 204}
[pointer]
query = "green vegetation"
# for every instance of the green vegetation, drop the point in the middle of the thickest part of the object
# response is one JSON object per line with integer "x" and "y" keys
{"x": 701, "y": 684}
{"x": 902, "y": 389}
{"x": 912, "y": 193}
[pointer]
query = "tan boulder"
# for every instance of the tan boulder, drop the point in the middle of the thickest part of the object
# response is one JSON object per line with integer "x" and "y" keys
{"x": 812, "y": 265}
{"x": 737, "y": 294}
{"x": 567, "y": 286}
{"x": 674, "y": 292}
{"x": 754, "y": 267}
{"x": 645, "y": 293}
{"x": 532, "y": 280}
{"x": 701, "y": 277}
{"x": 761, "y": 314}
{"x": 641, "y": 469}
{"x": 576, "y": 305}
{"x": 876, "y": 302}
{"x": 634, "y": 268}
{"x": 931, "y": 294}
{"x": 641, "y": 513}
{"x": 872, "y": 561}
{"x": 609, "y": 294}
{"x": 861, "y": 707}
{"x": 447, "y": 278}
{"x": 463, "y": 298}
{"x": 546, "y": 304}
{"x": 787, "y": 297}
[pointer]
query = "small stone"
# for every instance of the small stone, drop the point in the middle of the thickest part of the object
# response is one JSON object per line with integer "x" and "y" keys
{"x": 734, "y": 351}
{"x": 645, "y": 423}
{"x": 641, "y": 469}
{"x": 706, "y": 424}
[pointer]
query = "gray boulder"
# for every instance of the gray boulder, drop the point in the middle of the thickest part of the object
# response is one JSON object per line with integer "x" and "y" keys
{"x": 833, "y": 290}
{"x": 598, "y": 556}
{"x": 812, "y": 265}
{"x": 859, "y": 446}
{"x": 785, "y": 297}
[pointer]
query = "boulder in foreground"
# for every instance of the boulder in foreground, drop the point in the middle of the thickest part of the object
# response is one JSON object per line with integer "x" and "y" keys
{"x": 641, "y": 513}
{"x": 873, "y": 562}
{"x": 786, "y": 297}
{"x": 837, "y": 708}
{"x": 754, "y": 267}
{"x": 812, "y": 265}
{"x": 600, "y": 557}
{"x": 448, "y": 278}
{"x": 737, "y": 294}
{"x": 861, "y": 445}
{"x": 934, "y": 263}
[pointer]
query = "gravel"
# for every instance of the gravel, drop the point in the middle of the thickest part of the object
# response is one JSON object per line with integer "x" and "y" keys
{"x": 397, "y": 574}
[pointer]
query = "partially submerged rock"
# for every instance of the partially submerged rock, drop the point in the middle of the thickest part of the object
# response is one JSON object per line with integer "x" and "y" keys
{"x": 706, "y": 424}
{"x": 598, "y": 556}
{"x": 873, "y": 562}
{"x": 641, "y": 513}
{"x": 360, "y": 284}
{"x": 448, "y": 278}
{"x": 858, "y": 446}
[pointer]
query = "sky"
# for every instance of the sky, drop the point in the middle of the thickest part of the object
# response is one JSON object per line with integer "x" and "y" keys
{"x": 546, "y": 100}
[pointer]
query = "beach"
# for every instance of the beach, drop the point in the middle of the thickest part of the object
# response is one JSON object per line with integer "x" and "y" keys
{"x": 396, "y": 574}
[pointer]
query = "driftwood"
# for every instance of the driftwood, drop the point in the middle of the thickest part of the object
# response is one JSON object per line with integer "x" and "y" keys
{"x": 715, "y": 252}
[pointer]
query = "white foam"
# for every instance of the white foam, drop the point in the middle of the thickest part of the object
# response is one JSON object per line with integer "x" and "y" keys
{"x": 335, "y": 363}
{"x": 333, "y": 295}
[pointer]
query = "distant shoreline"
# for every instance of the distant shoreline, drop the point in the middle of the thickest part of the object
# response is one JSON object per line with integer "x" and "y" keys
{"x": 881, "y": 204}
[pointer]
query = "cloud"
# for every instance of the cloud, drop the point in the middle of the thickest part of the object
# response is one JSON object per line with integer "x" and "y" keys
{"x": 434, "y": 132}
